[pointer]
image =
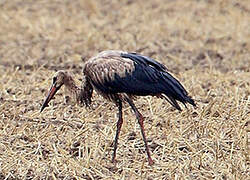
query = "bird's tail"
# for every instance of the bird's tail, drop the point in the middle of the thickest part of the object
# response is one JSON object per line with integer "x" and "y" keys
{"x": 190, "y": 100}
{"x": 174, "y": 91}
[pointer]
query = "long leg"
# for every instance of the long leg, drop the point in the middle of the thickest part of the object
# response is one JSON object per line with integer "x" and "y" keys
{"x": 119, "y": 125}
{"x": 140, "y": 120}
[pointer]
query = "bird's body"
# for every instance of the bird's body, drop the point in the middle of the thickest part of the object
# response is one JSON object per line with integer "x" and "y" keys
{"x": 119, "y": 76}
{"x": 122, "y": 74}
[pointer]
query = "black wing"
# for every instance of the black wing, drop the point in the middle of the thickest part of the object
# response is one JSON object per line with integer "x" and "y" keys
{"x": 148, "y": 78}
{"x": 140, "y": 59}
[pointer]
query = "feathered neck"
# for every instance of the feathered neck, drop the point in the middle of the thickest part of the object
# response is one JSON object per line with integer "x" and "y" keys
{"x": 81, "y": 95}
{"x": 72, "y": 88}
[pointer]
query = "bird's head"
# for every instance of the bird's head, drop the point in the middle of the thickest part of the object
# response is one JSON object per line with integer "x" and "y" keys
{"x": 57, "y": 81}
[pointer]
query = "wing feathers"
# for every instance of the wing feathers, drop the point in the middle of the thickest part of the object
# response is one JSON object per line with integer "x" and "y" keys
{"x": 120, "y": 72}
{"x": 144, "y": 60}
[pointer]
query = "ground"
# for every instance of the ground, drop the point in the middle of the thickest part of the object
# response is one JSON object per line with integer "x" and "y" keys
{"x": 204, "y": 43}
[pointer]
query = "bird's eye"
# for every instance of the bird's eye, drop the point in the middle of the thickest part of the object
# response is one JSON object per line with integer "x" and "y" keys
{"x": 54, "y": 80}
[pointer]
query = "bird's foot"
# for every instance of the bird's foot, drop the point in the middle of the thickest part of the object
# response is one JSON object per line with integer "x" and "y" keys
{"x": 150, "y": 161}
{"x": 114, "y": 161}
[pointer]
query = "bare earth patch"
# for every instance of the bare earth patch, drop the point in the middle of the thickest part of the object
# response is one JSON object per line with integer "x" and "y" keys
{"x": 205, "y": 44}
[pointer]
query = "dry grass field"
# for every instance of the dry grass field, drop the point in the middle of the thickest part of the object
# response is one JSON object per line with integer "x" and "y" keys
{"x": 204, "y": 43}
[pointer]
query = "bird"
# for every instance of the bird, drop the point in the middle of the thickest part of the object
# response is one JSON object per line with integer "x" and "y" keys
{"x": 120, "y": 77}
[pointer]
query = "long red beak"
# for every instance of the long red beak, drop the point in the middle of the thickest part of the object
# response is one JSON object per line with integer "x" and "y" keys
{"x": 51, "y": 94}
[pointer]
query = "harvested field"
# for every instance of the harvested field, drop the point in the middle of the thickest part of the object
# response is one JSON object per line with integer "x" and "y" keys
{"x": 205, "y": 44}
